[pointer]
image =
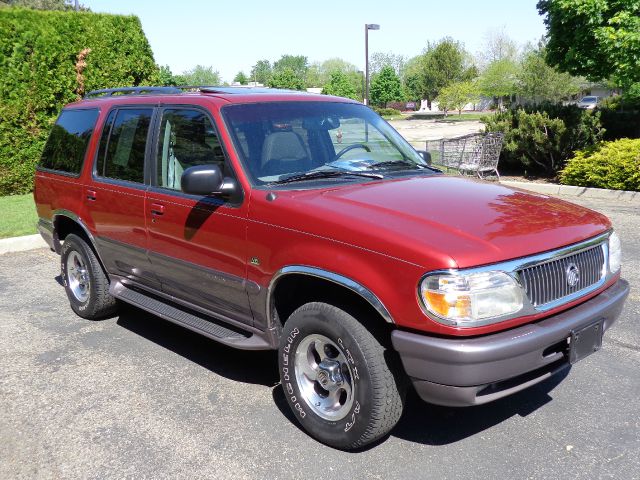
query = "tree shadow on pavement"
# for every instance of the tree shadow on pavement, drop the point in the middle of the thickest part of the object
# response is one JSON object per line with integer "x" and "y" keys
{"x": 257, "y": 367}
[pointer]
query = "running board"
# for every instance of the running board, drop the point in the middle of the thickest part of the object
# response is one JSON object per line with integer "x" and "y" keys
{"x": 192, "y": 320}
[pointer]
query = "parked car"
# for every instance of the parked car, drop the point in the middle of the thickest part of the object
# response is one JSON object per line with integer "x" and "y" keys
{"x": 588, "y": 103}
{"x": 268, "y": 219}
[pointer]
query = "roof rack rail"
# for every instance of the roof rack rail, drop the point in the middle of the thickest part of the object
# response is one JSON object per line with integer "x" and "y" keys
{"x": 150, "y": 90}
{"x": 109, "y": 92}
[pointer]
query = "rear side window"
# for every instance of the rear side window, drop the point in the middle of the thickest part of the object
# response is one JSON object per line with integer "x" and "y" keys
{"x": 67, "y": 144}
{"x": 123, "y": 144}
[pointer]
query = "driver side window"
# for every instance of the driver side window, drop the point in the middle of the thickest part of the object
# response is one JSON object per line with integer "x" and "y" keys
{"x": 187, "y": 138}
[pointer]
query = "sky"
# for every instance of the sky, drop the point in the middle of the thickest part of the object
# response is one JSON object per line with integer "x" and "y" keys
{"x": 231, "y": 36}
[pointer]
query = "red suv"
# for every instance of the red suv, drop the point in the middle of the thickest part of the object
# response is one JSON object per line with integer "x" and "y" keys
{"x": 268, "y": 219}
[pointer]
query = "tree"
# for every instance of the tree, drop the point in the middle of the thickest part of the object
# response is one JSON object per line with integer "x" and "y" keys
{"x": 200, "y": 75}
{"x": 166, "y": 78}
{"x": 412, "y": 78}
{"x": 296, "y": 63}
{"x": 499, "y": 80}
{"x": 537, "y": 81}
{"x": 385, "y": 87}
{"x": 319, "y": 74}
{"x": 598, "y": 39}
{"x": 441, "y": 64}
{"x": 240, "y": 78}
{"x": 379, "y": 60}
{"x": 261, "y": 72}
{"x": 456, "y": 95}
{"x": 340, "y": 85}
{"x": 286, "y": 78}
{"x": 497, "y": 45}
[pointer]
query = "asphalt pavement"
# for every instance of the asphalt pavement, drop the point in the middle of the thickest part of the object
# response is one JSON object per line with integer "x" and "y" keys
{"x": 137, "y": 397}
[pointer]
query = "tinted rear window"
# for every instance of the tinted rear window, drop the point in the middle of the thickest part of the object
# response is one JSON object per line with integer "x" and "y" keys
{"x": 67, "y": 144}
{"x": 123, "y": 145}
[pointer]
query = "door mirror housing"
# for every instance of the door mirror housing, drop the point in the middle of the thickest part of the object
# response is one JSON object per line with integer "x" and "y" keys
{"x": 426, "y": 155}
{"x": 207, "y": 180}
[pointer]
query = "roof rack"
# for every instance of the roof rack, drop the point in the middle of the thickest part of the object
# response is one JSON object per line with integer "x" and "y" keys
{"x": 109, "y": 92}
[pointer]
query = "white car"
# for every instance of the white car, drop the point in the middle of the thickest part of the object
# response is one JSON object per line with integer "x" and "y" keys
{"x": 588, "y": 103}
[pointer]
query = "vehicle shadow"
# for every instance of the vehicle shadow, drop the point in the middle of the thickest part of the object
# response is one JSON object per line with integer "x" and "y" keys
{"x": 257, "y": 367}
{"x": 421, "y": 423}
{"x": 436, "y": 425}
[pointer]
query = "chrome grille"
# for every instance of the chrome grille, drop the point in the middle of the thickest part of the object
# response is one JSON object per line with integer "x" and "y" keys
{"x": 548, "y": 282}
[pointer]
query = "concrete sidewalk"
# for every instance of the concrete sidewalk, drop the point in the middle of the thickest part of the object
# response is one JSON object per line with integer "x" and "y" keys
{"x": 571, "y": 191}
{"x": 21, "y": 244}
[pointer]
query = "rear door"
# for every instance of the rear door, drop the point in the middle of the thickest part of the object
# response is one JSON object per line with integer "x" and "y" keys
{"x": 197, "y": 244}
{"x": 116, "y": 197}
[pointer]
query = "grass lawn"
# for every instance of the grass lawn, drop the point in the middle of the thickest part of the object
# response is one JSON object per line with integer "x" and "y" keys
{"x": 17, "y": 215}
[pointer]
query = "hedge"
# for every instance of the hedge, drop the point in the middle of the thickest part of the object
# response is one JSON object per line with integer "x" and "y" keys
{"x": 614, "y": 165}
{"x": 48, "y": 59}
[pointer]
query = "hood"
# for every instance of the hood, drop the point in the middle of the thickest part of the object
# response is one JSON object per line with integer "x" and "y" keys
{"x": 436, "y": 221}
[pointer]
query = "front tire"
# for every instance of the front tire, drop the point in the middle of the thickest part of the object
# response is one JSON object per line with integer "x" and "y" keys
{"x": 85, "y": 282}
{"x": 342, "y": 385}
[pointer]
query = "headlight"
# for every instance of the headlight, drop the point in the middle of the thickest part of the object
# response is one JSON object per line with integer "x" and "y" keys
{"x": 469, "y": 299}
{"x": 615, "y": 253}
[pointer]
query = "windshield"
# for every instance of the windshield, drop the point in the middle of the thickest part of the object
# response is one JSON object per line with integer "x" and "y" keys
{"x": 589, "y": 99}
{"x": 281, "y": 141}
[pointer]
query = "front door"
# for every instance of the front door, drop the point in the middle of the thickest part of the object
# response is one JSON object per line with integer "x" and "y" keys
{"x": 197, "y": 245}
{"x": 116, "y": 197}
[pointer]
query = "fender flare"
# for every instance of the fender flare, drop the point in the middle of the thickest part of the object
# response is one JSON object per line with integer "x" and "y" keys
{"x": 336, "y": 278}
{"x": 78, "y": 221}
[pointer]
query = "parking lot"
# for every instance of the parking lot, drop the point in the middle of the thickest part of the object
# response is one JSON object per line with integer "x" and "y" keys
{"x": 137, "y": 397}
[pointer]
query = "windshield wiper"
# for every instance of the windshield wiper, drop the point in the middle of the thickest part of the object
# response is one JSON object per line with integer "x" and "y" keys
{"x": 299, "y": 177}
{"x": 396, "y": 163}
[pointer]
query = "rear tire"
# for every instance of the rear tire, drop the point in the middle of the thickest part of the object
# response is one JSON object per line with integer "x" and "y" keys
{"x": 342, "y": 385}
{"x": 85, "y": 282}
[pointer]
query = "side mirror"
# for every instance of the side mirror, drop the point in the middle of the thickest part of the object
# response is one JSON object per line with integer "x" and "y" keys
{"x": 426, "y": 155}
{"x": 207, "y": 180}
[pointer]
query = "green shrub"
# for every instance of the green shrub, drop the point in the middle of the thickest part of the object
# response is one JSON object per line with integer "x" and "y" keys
{"x": 386, "y": 112}
{"x": 614, "y": 165}
{"x": 38, "y": 60}
{"x": 620, "y": 123}
{"x": 539, "y": 140}
{"x": 620, "y": 114}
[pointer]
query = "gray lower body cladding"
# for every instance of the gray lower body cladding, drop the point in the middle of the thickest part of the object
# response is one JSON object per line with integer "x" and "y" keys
{"x": 463, "y": 372}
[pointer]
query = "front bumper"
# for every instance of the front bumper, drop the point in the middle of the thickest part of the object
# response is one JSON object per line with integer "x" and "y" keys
{"x": 473, "y": 371}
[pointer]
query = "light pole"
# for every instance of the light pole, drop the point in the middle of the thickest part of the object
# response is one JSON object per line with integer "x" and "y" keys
{"x": 367, "y": 27}
{"x": 361, "y": 73}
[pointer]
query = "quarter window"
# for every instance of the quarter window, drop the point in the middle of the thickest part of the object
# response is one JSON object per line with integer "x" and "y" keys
{"x": 187, "y": 138}
{"x": 123, "y": 144}
{"x": 67, "y": 144}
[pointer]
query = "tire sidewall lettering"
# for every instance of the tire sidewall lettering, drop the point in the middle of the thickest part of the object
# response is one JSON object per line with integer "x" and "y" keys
{"x": 286, "y": 373}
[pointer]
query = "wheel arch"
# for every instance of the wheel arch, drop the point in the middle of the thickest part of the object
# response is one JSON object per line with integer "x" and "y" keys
{"x": 66, "y": 222}
{"x": 294, "y": 285}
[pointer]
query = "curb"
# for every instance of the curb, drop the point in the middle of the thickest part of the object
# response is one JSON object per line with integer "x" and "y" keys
{"x": 21, "y": 244}
{"x": 571, "y": 191}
